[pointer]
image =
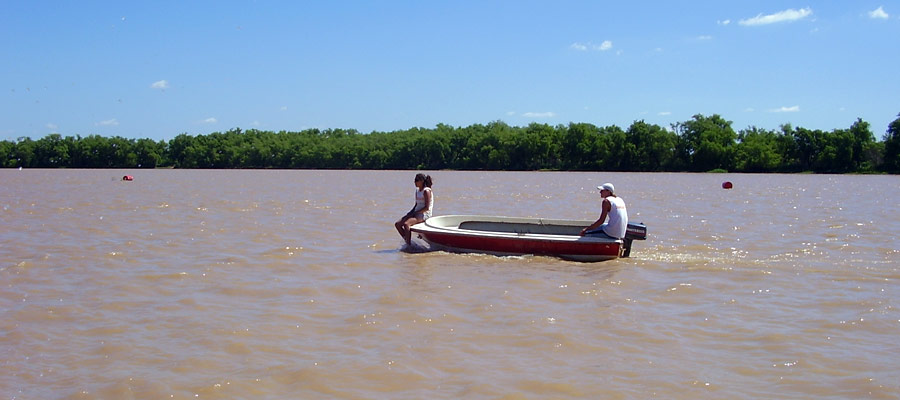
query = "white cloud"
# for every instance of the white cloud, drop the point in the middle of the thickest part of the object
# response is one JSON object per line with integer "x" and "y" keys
{"x": 878, "y": 13}
{"x": 163, "y": 84}
{"x": 725, "y": 22}
{"x": 510, "y": 113}
{"x": 52, "y": 126}
{"x": 665, "y": 113}
{"x": 781, "y": 16}
{"x": 786, "y": 109}
{"x": 210, "y": 120}
{"x": 539, "y": 115}
{"x": 606, "y": 45}
{"x": 109, "y": 122}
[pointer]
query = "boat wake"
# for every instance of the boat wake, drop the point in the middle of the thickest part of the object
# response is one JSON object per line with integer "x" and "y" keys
{"x": 417, "y": 245}
{"x": 413, "y": 248}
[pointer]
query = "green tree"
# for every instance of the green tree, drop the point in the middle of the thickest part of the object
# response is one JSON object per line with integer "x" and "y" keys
{"x": 787, "y": 149}
{"x": 862, "y": 139}
{"x": 810, "y": 145}
{"x": 757, "y": 151}
{"x": 433, "y": 150}
{"x": 649, "y": 148}
{"x": 700, "y": 144}
{"x": 24, "y": 153}
{"x": 7, "y": 150}
{"x": 51, "y": 151}
{"x": 148, "y": 153}
{"x": 536, "y": 148}
{"x": 608, "y": 148}
{"x": 837, "y": 153}
{"x": 579, "y": 147}
{"x": 891, "y": 139}
{"x": 122, "y": 153}
{"x": 177, "y": 150}
{"x": 706, "y": 143}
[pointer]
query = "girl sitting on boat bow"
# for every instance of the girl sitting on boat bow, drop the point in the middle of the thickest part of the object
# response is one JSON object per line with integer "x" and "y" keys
{"x": 421, "y": 211}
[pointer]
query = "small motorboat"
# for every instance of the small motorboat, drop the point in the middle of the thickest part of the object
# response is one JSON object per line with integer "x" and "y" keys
{"x": 517, "y": 236}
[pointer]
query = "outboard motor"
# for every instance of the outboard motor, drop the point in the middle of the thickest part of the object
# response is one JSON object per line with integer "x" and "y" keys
{"x": 633, "y": 232}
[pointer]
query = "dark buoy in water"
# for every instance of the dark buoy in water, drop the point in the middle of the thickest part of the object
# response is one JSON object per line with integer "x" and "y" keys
{"x": 727, "y": 185}
{"x": 127, "y": 178}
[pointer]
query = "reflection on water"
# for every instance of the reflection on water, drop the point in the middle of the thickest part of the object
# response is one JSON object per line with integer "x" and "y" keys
{"x": 274, "y": 284}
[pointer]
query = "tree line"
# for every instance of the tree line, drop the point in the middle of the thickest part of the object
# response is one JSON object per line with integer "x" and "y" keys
{"x": 703, "y": 143}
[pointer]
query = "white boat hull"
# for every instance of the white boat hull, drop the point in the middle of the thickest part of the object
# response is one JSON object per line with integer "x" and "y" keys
{"x": 516, "y": 236}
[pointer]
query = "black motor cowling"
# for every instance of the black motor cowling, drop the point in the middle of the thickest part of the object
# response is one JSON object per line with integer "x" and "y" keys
{"x": 633, "y": 232}
{"x": 636, "y": 231}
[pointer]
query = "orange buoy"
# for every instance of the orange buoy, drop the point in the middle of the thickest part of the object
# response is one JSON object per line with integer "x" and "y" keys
{"x": 127, "y": 178}
{"x": 727, "y": 185}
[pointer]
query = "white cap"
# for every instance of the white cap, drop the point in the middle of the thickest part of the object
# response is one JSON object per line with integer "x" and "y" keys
{"x": 607, "y": 186}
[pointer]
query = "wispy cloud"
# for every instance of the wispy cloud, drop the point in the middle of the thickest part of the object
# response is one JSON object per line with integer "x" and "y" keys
{"x": 539, "y": 115}
{"x": 878, "y": 13}
{"x": 109, "y": 122}
{"x": 606, "y": 45}
{"x": 163, "y": 84}
{"x": 781, "y": 16}
{"x": 664, "y": 113}
{"x": 786, "y": 109}
{"x": 210, "y": 120}
{"x": 52, "y": 126}
{"x": 704, "y": 37}
{"x": 725, "y": 22}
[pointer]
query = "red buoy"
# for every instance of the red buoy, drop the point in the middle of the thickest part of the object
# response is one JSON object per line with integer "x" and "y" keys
{"x": 726, "y": 185}
{"x": 127, "y": 178}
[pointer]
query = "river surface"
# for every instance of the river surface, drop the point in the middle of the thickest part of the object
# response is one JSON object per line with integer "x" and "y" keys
{"x": 199, "y": 284}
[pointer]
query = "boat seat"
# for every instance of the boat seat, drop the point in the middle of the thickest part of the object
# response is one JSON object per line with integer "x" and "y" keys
{"x": 520, "y": 228}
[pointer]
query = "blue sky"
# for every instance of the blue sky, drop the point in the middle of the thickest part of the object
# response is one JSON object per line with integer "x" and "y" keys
{"x": 159, "y": 69}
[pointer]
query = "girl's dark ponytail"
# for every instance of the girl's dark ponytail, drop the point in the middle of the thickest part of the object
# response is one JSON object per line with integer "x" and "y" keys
{"x": 424, "y": 178}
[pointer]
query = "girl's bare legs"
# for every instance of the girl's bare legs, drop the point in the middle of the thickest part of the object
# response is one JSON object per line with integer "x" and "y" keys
{"x": 403, "y": 227}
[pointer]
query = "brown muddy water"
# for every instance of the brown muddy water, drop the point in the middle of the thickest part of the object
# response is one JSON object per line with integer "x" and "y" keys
{"x": 194, "y": 284}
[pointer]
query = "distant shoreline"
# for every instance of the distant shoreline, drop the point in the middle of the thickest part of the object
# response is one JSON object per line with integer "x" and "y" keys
{"x": 702, "y": 144}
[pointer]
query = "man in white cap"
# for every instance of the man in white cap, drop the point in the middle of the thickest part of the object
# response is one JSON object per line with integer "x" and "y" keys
{"x": 614, "y": 208}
